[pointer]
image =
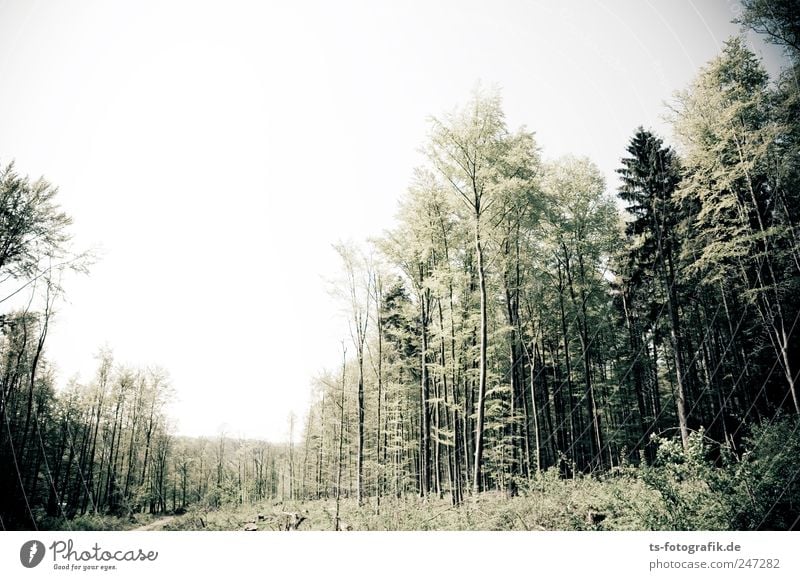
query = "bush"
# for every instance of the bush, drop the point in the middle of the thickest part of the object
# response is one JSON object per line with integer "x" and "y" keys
{"x": 85, "y": 523}
{"x": 692, "y": 492}
{"x": 767, "y": 491}
{"x": 758, "y": 490}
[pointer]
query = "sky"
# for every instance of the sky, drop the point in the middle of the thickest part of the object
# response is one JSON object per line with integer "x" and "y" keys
{"x": 211, "y": 153}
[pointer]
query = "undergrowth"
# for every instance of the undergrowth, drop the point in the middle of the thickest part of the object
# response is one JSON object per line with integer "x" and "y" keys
{"x": 702, "y": 487}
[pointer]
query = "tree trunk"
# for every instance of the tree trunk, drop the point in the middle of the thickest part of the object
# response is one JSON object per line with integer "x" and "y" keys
{"x": 479, "y": 440}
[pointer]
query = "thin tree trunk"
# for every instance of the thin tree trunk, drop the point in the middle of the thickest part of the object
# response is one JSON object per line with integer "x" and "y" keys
{"x": 479, "y": 439}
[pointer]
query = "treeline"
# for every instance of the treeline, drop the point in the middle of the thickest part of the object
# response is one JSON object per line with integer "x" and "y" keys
{"x": 517, "y": 320}
{"x": 97, "y": 448}
{"x": 104, "y": 447}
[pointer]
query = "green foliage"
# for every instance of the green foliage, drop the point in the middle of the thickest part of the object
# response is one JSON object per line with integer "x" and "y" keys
{"x": 691, "y": 490}
{"x": 778, "y": 20}
{"x": 767, "y": 481}
{"x": 87, "y": 523}
{"x": 759, "y": 490}
{"x": 701, "y": 487}
{"x": 32, "y": 226}
{"x": 488, "y": 353}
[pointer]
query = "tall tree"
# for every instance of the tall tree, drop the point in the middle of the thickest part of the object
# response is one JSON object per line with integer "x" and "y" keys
{"x": 483, "y": 165}
{"x": 582, "y": 223}
{"x": 649, "y": 180}
{"x": 358, "y": 292}
{"x": 731, "y": 137}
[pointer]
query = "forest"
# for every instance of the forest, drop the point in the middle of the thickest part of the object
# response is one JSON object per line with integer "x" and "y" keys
{"x": 527, "y": 348}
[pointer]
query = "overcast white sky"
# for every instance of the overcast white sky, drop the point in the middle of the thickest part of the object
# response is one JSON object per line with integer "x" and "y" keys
{"x": 213, "y": 152}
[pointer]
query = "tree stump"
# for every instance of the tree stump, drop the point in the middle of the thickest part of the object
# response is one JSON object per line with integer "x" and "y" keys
{"x": 595, "y": 518}
{"x": 292, "y": 521}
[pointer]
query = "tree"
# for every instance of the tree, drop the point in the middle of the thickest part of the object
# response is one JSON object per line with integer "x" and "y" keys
{"x": 33, "y": 229}
{"x": 582, "y": 226}
{"x": 358, "y": 291}
{"x": 483, "y": 165}
{"x": 650, "y": 178}
{"x": 34, "y": 250}
{"x": 779, "y": 20}
{"x": 741, "y": 230}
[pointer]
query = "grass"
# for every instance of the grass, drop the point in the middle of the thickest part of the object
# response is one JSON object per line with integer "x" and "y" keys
{"x": 689, "y": 488}
{"x": 617, "y": 502}
{"x": 94, "y": 522}
{"x": 625, "y": 499}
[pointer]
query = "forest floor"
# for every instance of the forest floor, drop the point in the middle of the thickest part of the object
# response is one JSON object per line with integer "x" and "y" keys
{"x": 624, "y": 501}
{"x": 686, "y": 489}
{"x": 621, "y": 500}
{"x": 487, "y": 512}
{"x": 580, "y": 504}
{"x": 157, "y": 524}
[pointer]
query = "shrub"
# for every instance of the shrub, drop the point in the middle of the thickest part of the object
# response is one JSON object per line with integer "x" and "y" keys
{"x": 767, "y": 490}
{"x": 692, "y": 493}
{"x": 758, "y": 490}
